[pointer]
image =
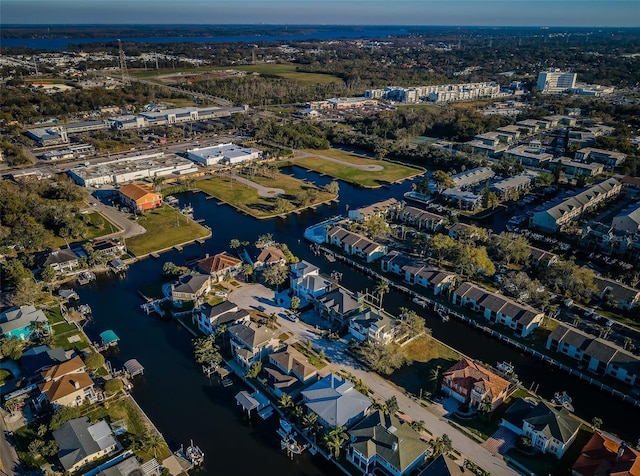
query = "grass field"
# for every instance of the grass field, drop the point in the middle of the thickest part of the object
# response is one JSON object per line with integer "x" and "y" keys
{"x": 245, "y": 198}
{"x": 371, "y": 179}
{"x": 425, "y": 356}
{"x": 166, "y": 227}
{"x": 283, "y": 70}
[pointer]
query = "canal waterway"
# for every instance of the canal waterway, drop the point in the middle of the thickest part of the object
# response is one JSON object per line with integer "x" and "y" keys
{"x": 185, "y": 405}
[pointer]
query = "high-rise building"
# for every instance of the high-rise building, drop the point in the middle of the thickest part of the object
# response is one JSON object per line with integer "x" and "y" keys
{"x": 555, "y": 81}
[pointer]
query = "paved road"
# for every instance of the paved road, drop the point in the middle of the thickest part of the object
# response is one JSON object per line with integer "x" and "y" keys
{"x": 130, "y": 227}
{"x": 254, "y": 295}
{"x": 262, "y": 190}
{"x": 9, "y": 463}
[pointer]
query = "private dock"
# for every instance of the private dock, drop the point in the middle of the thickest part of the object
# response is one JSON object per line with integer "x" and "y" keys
{"x": 155, "y": 255}
{"x": 133, "y": 368}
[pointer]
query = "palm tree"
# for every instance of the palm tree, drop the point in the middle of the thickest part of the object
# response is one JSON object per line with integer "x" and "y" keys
{"x": 626, "y": 341}
{"x": 247, "y": 270}
{"x": 285, "y": 401}
{"x": 576, "y": 320}
{"x": 310, "y": 421}
{"x": 434, "y": 377}
{"x": 335, "y": 439}
{"x": 298, "y": 413}
{"x": 442, "y": 445}
{"x": 153, "y": 440}
{"x": 381, "y": 288}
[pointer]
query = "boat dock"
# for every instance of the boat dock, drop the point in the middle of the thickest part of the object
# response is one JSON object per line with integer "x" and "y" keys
{"x": 86, "y": 277}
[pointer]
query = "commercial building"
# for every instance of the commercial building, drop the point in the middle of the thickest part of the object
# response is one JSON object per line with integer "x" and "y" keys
{"x": 128, "y": 169}
{"x": 555, "y": 216}
{"x": 227, "y": 154}
{"x": 553, "y": 80}
{"x": 74, "y": 151}
{"x": 49, "y": 135}
{"x": 172, "y": 116}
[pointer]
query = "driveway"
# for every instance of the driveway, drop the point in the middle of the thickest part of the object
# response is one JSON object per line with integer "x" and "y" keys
{"x": 129, "y": 227}
{"x": 262, "y": 190}
{"x": 253, "y": 295}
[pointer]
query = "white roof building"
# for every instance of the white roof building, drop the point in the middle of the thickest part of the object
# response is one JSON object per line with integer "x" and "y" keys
{"x": 223, "y": 154}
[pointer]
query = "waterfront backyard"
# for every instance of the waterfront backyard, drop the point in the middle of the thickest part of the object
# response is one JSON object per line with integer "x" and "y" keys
{"x": 166, "y": 227}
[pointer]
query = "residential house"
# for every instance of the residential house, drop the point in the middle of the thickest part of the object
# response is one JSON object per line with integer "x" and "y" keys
{"x": 68, "y": 384}
{"x": 306, "y": 282}
{"x": 598, "y": 355}
{"x": 394, "y": 261}
{"x": 472, "y": 384}
{"x": 266, "y": 257}
{"x": 126, "y": 467}
{"x": 288, "y": 371}
{"x": 19, "y": 322}
{"x": 380, "y": 209}
{"x": 139, "y": 197}
{"x": 384, "y": 441}
{"x": 611, "y": 241}
{"x": 108, "y": 247}
{"x": 625, "y": 297}
{"x": 604, "y": 456}
{"x": 39, "y": 358}
{"x": 573, "y": 169}
{"x": 355, "y": 244}
{"x": 510, "y": 187}
{"x": 210, "y": 318}
{"x": 421, "y": 219}
{"x": 250, "y": 342}
{"x": 508, "y": 133}
{"x": 80, "y": 442}
{"x": 62, "y": 260}
{"x": 606, "y": 157}
{"x": 551, "y": 430}
{"x": 190, "y": 287}
{"x": 336, "y": 402}
{"x": 443, "y": 466}
{"x": 337, "y": 306}
{"x": 538, "y": 257}
{"x": 219, "y": 266}
{"x": 497, "y": 308}
{"x": 558, "y": 215}
{"x": 374, "y": 326}
{"x": 529, "y": 125}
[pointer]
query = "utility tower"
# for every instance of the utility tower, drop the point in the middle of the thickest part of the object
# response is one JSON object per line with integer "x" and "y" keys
{"x": 123, "y": 64}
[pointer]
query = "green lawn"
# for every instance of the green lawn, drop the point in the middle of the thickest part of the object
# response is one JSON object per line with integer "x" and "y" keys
{"x": 425, "y": 356}
{"x": 166, "y": 227}
{"x": 283, "y": 70}
{"x": 245, "y": 198}
{"x": 5, "y": 376}
{"x": 391, "y": 172}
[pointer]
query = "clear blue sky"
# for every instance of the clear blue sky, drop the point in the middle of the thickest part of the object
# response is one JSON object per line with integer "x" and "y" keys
{"x": 333, "y": 12}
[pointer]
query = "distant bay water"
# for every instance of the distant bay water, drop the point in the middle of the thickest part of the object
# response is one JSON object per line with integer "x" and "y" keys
{"x": 57, "y": 44}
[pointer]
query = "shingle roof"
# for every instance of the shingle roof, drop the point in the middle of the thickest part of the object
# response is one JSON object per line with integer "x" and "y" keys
{"x": 443, "y": 466}
{"x": 60, "y": 256}
{"x": 558, "y": 424}
{"x": 390, "y": 439}
{"x": 339, "y": 301}
{"x": 293, "y": 361}
{"x": 66, "y": 385}
{"x": 251, "y": 334}
{"x": 271, "y": 255}
{"x": 191, "y": 283}
{"x": 19, "y": 317}
{"x": 70, "y": 366}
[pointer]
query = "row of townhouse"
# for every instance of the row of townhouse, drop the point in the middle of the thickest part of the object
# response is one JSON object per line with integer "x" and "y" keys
{"x": 498, "y": 308}
{"x": 421, "y": 219}
{"x": 598, "y": 355}
{"x": 558, "y": 215}
{"x": 355, "y": 244}
{"x": 417, "y": 272}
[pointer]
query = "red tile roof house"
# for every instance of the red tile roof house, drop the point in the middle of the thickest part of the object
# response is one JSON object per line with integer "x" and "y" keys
{"x": 470, "y": 383}
{"x": 139, "y": 197}
{"x": 220, "y": 265}
{"x": 602, "y": 456}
